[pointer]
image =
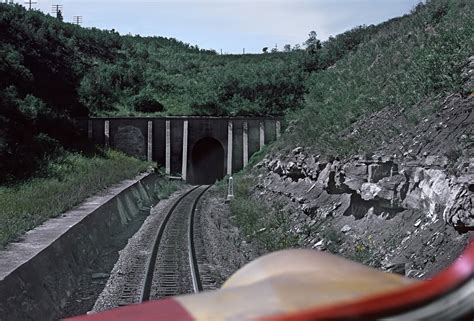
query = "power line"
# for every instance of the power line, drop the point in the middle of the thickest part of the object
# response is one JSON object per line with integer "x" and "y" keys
{"x": 77, "y": 20}
{"x": 57, "y": 9}
{"x": 30, "y": 2}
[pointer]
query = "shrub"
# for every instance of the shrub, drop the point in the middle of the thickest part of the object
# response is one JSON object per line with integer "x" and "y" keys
{"x": 146, "y": 103}
{"x": 408, "y": 60}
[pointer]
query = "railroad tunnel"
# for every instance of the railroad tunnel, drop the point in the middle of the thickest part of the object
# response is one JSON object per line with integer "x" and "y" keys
{"x": 207, "y": 161}
{"x": 201, "y": 149}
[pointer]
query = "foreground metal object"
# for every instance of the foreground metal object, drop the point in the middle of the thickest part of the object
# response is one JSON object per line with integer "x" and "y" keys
{"x": 447, "y": 296}
{"x": 309, "y": 285}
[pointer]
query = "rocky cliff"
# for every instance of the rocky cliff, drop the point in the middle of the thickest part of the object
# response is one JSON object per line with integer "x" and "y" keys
{"x": 406, "y": 206}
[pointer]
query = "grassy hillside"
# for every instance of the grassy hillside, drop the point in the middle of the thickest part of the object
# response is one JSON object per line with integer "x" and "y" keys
{"x": 66, "y": 182}
{"x": 42, "y": 64}
{"x": 411, "y": 64}
{"x": 407, "y": 61}
{"x": 151, "y": 79}
{"x": 54, "y": 71}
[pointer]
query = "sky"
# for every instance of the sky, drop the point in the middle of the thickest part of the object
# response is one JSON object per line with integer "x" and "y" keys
{"x": 230, "y": 25}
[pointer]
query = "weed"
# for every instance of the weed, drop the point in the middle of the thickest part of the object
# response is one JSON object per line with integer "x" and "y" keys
{"x": 362, "y": 253}
{"x": 166, "y": 189}
{"x": 409, "y": 60}
{"x": 333, "y": 239}
{"x": 268, "y": 226}
{"x": 70, "y": 179}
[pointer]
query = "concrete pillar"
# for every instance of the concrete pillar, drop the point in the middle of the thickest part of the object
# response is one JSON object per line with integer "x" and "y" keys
{"x": 278, "y": 129}
{"x": 89, "y": 129}
{"x": 107, "y": 133}
{"x": 262, "y": 134}
{"x": 168, "y": 148}
{"x": 149, "y": 152}
{"x": 246, "y": 143}
{"x": 230, "y": 128}
{"x": 185, "y": 150}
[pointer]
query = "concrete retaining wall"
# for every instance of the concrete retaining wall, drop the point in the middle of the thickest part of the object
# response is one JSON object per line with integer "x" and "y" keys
{"x": 38, "y": 274}
{"x": 170, "y": 141}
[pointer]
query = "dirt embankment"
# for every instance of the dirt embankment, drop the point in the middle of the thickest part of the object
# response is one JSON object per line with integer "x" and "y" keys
{"x": 226, "y": 248}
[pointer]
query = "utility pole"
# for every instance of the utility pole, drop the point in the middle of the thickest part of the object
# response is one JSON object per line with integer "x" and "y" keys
{"x": 77, "y": 20}
{"x": 30, "y": 2}
{"x": 57, "y": 9}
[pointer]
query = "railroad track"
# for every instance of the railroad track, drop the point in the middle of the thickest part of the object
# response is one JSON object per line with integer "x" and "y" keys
{"x": 176, "y": 264}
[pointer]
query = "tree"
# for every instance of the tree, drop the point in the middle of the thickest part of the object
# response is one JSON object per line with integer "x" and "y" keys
{"x": 287, "y": 48}
{"x": 313, "y": 44}
{"x": 146, "y": 103}
{"x": 59, "y": 15}
{"x": 265, "y": 49}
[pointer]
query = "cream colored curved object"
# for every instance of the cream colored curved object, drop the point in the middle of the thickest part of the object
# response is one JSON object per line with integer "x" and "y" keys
{"x": 289, "y": 281}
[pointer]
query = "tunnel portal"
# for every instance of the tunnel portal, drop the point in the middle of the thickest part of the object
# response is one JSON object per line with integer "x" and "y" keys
{"x": 198, "y": 149}
{"x": 207, "y": 161}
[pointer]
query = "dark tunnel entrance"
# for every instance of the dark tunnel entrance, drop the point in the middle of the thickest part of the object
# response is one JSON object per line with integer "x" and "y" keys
{"x": 207, "y": 161}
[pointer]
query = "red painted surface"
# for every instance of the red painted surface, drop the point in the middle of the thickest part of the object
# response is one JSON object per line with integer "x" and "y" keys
{"x": 162, "y": 310}
{"x": 397, "y": 301}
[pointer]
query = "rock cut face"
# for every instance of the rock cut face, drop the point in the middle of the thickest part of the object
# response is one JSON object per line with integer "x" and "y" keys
{"x": 130, "y": 140}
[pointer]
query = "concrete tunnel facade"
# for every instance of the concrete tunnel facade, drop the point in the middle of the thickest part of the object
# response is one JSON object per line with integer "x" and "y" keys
{"x": 198, "y": 149}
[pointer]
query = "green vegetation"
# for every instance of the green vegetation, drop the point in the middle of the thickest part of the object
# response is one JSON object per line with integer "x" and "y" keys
{"x": 362, "y": 253}
{"x": 69, "y": 180}
{"x": 268, "y": 227}
{"x": 407, "y": 61}
{"x": 53, "y": 72}
{"x": 165, "y": 190}
{"x": 332, "y": 237}
{"x": 182, "y": 83}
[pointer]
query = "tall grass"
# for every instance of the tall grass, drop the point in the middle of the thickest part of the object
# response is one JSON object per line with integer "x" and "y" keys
{"x": 70, "y": 180}
{"x": 268, "y": 226}
{"x": 411, "y": 59}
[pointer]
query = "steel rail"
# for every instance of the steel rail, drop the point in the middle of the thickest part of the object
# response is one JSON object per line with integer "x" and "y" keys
{"x": 146, "y": 288}
{"x": 193, "y": 262}
{"x": 152, "y": 261}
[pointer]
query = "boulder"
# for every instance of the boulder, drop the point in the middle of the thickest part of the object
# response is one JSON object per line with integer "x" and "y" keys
{"x": 436, "y": 160}
{"x": 355, "y": 169}
{"x": 378, "y": 171}
{"x": 459, "y": 211}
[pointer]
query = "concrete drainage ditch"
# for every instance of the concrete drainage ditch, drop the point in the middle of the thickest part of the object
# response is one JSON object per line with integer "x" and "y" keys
{"x": 41, "y": 276}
